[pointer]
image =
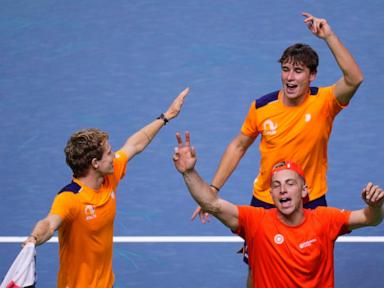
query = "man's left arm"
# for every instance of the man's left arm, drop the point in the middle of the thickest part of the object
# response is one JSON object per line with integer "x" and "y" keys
{"x": 352, "y": 77}
{"x": 373, "y": 213}
{"x": 141, "y": 139}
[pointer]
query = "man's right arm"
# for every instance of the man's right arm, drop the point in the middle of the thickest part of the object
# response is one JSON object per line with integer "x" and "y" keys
{"x": 44, "y": 229}
{"x": 229, "y": 161}
{"x": 184, "y": 159}
{"x": 231, "y": 158}
{"x": 210, "y": 202}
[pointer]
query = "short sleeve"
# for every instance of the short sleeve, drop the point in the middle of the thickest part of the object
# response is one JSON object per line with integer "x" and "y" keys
{"x": 65, "y": 205}
{"x": 249, "y": 127}
{"x": 334, "y": 106}
{"x": 338, "y": 220}
{"x": 249, "y": 219}
{"x": 120, "y": 164}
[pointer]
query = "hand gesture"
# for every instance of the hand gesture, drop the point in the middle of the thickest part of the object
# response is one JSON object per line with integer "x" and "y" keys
{"x": 373, "y": 195}
{"x": 185, "y": 155}
{"x": 204, "y": 216}
{"x": 317, "y": 26}
{"x": 176, "y": 105}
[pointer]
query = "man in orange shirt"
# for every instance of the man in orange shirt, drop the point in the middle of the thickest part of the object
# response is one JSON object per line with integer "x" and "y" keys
{"x": 83, "y": 212}
{"x": 288, "y": 246}
{"x": 294, "y": 122}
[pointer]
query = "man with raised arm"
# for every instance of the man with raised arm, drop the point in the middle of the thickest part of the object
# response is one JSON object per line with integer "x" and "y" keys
{"x": 294, "y": 122}
{"x": 83, "y": 211}
{"x": 288, "y": 246}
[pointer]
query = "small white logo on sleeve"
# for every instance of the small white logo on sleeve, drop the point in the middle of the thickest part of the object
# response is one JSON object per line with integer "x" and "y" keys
{"x": 308, "y": 117}
{"x": 279, "y": 239}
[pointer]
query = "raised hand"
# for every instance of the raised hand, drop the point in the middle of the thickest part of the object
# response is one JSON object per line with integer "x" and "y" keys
{"x": 185, "y": 155}
{"x": 176, "y": 105}
{"x": 373, "y": 195}
{"x": 318, "y": 26}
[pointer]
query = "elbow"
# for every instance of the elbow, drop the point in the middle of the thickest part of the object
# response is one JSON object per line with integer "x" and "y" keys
{"x": 357, "y": 80}
{"x": 376, "y": 223}
{"x": 211, "y": 207}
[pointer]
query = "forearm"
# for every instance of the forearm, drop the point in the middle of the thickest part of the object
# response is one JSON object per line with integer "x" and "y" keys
{"x": 141, "y": 139}
{"x": 42, "y": 232}
{"x": 351, "y": 71}
{"x": 201, "y": 191}
{"x": 228, "y": 164}
{"x": 374, "y": 215}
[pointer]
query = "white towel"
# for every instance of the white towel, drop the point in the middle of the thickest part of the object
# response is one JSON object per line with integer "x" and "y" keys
{"x": 22, "y": 272}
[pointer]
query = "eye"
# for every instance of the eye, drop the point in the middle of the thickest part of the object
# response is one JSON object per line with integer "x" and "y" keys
{"x": 291, "y": 182}
{"x": 275, "y": 185}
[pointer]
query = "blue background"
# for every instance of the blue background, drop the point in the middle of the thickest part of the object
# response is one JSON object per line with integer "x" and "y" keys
{"x": 116, "y": 65}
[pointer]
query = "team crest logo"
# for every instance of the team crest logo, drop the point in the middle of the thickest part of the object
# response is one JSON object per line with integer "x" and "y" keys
{"x": 279, "y": 239}
{"x": 90, "y": 212}
{"x": 269, "y": 127}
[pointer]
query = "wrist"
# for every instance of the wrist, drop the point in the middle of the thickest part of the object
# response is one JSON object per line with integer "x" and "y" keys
{"x": 187, "y": 172}
{"x": 34, "y": 237}
{"x": 217, "y": 189}
{"x": 164, "y": 118}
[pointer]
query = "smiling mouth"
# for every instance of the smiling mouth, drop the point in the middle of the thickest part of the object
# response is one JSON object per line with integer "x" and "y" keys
{"x": 291, "y": 86}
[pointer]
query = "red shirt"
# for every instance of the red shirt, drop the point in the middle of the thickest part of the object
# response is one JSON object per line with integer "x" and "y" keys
{"x": 286, "y": 256}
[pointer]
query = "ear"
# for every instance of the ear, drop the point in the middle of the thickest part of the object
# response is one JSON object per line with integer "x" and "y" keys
{"x": 312, "y": 76}
{"x": 304, "y": 192}
{"x": 95, "y": 163}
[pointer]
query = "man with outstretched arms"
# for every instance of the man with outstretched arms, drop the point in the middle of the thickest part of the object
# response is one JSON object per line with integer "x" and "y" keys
{"x": 83, "y": 212}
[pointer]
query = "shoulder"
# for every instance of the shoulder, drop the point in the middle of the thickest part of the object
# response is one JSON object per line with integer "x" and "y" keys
{"x": 121, "y": 156}
{"x": 72, "y": 187}
{"x": 266, "y": 99}
{"x": 246, "y": 211}
{"x": 329, "y": 212}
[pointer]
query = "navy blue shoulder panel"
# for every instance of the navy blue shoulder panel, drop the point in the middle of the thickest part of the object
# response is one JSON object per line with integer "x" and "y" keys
{"x": 314, "y": 91}
{"x": 264, "y": 100}
{"x": 71, "y": 187}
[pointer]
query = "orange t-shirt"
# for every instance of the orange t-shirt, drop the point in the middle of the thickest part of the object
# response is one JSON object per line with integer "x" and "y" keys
{"x": 299, "y": 134}
{"x": 285, "y": 256}
{"x": 86, "y": 233}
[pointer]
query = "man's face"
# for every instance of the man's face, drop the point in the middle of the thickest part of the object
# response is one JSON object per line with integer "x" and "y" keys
{"x": 105, "y": 164}
{"x": 296, "y": 79}
{"x": 287, "y": 191}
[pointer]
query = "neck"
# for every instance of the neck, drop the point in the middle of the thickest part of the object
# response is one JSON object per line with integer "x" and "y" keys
{"x": 292, "y": 102}
{"x": 293, "y": 219}
{"x": 92, "y": 180}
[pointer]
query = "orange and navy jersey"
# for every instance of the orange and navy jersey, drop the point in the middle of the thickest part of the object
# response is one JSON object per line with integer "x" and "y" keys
{"x": 296, "y": 133}
{"x": 292, "y": 256}
{"x": 86, "y": 232}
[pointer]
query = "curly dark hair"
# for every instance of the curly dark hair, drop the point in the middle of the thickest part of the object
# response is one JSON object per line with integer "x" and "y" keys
{"x": 301, "y": 54}
{"x": 82, "y": 147}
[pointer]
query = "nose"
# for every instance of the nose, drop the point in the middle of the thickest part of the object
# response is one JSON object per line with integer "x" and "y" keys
{"x": 283, "y": 189}
{"x": 291, "y": 75}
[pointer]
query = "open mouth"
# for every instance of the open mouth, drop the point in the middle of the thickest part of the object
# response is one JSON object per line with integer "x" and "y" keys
{"x": 291, "y": 87}
{"x": 285, "y": 202}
